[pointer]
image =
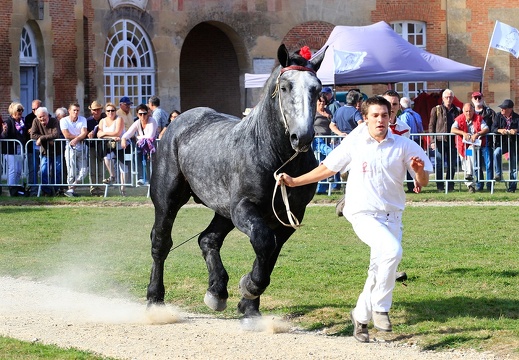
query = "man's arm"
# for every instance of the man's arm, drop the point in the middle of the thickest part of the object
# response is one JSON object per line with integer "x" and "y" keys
{"x": 319, "y": 173}
{"x": 421, "y": 176}
{"x": 336, "y": 130}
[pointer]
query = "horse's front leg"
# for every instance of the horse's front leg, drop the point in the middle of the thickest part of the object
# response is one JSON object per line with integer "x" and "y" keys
{"x": 161, "y": 244}
{"x": 249, "y": 306}
{"x": 247, "y": 219}
{"x": 210, "y": 242}
{"x": 166, "y": 210}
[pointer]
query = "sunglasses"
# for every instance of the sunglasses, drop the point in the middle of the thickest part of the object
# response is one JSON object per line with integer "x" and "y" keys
{"x": 142, "y": 114}
{"x": 477, "y": 97}
{"x": 19, "y": 110}
{"x": 111, "y": 110}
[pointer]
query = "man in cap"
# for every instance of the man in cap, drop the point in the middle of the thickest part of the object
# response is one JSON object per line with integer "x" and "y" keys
{"x": 332, "y": 104}
{"x": 488, "y": 116}
{"x": 125, "y": 112}
{"x": 95, "y": 146}
{"x": 505, "y": 127}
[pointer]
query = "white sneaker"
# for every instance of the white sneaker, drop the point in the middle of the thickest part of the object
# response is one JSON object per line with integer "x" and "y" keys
{"x": 69, "y": 193}
{"x": 140, "y": 182}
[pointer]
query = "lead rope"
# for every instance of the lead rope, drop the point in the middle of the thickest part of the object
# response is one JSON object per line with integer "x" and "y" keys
{"x": 294, "y": 222}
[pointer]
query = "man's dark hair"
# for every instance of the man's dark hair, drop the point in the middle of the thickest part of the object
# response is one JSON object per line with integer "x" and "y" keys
{"x": 375, "y": 100}
{"x": 353, "y": 97}
{"x": 392, "y": 93}
{"x": 143, "y": 107}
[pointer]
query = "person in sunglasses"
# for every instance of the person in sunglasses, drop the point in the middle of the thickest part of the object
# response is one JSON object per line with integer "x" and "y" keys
{"x": 145, "y": 131}
{"x": 14, "y": 129}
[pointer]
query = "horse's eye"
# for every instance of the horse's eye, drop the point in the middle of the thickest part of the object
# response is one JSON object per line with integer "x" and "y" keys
{"x": 283, "y": 88}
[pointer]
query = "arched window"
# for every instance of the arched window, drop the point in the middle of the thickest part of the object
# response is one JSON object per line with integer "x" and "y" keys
{"x": 28, "y": 68}
{"x": 415, "y": 33}
{"x": 28, "y": 55}
{"x": 129, "y": 66}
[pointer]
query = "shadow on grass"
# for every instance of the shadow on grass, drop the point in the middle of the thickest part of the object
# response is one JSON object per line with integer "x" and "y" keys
{"x": 479, "y": 271}
{"x": 443, "y": 310}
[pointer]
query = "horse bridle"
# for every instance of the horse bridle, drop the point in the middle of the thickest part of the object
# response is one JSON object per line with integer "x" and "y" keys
{"x": 294, "y": 222}
{"x": 278, "y": 93}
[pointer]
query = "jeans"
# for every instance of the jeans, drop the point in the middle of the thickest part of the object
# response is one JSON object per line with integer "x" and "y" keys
{"x": 50, "y": 173}
{"x": 77, "y": 163}
{"x": 498, "y": 161}
{"x": 14, "y": 169}
{"x": 320, "y": 146}
{"x": 487, "y": 159}
{"x": 450, "y": 166}
{"x": 33, "y": 162}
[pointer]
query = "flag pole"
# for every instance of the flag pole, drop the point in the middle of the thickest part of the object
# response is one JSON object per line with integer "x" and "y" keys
{"x": 486, "y": 59}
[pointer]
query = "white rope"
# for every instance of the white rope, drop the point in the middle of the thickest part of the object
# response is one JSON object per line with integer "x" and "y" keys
{"x": 294, "y": 222}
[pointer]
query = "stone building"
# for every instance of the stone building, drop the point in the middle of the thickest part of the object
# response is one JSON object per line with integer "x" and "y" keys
{"x": 196, "y": 52}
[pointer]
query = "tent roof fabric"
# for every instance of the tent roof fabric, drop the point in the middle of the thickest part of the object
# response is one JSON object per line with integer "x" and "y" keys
{"x": 376, "y": 54}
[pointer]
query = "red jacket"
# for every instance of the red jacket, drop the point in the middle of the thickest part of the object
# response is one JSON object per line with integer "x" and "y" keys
{"x": 463, "y": 126}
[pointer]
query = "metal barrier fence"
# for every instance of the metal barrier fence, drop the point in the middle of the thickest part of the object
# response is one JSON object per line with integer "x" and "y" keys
{"x": 449, "y": 167}
{"x": 95, "y": 163}
{"x": 100, "y": 164}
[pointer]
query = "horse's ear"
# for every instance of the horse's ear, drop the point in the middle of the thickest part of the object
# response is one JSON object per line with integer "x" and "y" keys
{"x": 283, "y": 55}
{"x": 316, "y": 61}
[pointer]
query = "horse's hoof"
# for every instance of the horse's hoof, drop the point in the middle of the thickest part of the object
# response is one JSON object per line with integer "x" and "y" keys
{"x": 215, "y": 303}
{"x": 243, "y": 288}
{"x": 151, "y": 304}
{"x": 253, "y": 323}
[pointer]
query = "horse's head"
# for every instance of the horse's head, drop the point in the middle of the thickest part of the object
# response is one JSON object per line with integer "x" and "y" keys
{"x": 297, "y": 90}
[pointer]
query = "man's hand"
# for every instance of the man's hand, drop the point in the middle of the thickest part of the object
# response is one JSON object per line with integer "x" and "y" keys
{"x": 421, "y": 177}
{"x": 417, "y": 164}
{"x": 285, "y": 179}
{"x": 417, "y": 187}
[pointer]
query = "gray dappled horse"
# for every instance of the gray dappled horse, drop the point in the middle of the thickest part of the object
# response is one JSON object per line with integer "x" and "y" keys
{"x": 228, "y": 164}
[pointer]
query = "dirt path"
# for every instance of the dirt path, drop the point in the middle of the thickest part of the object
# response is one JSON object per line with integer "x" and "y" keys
{"x": 125, "y": 330}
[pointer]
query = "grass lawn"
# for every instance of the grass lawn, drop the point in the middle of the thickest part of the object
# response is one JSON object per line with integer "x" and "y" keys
{"x": 462, "y": 292}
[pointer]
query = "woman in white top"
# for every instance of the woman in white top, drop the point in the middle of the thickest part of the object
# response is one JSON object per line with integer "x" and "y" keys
{"x": 145, "y": 131}
{"x": 112, "y": 127}
{"x": 145, "y": 128}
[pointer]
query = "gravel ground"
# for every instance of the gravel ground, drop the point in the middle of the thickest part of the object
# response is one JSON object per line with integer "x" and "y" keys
{"x": 38, "y": 312}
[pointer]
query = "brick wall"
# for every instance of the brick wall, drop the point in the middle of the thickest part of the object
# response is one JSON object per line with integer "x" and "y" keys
{"x": 5, "y": 56}
{"x": 64, "y": 51}
{"x": 312, "y": 34}
{"x": 90, "y": 67}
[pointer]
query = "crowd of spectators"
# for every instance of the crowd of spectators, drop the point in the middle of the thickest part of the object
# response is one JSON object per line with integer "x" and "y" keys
{"x": 98, "y": 150}
{"x": 473, "y": 140}
{"x": 67, "y": 148}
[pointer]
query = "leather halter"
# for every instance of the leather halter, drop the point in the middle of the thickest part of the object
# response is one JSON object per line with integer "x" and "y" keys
{"x": 295, "y": 67}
